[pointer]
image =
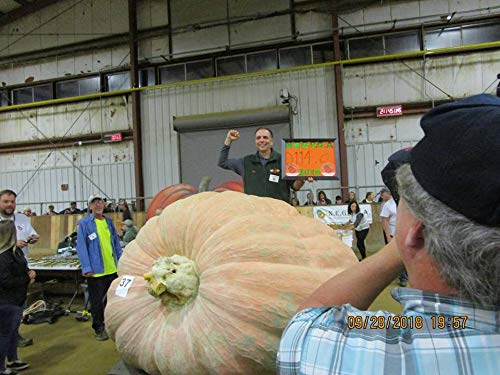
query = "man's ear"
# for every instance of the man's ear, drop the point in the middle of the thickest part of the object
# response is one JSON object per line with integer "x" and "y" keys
{"x": 414, "y": 240}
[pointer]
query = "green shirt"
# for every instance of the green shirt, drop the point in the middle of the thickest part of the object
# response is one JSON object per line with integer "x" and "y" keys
{"x": 106, "y": 247}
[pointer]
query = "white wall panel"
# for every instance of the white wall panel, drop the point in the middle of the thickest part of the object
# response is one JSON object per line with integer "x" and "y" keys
{"x": 376, "y": 14}
{"x": 383, "y": 14}
{"x": 108, "y": 168}
{"x": 381, "y": 130}
{"x": 72, "y": 119}
{"x": 408, "y": 84}
{"x": 63, "y": 23}
{"x": 49, "y": 27}
{"x": 386, "y": 83}
{"x": 369, "y": 144}
{"x": 316, "y": 117}
{"x": 433, "y": 7}
{"x": 238, "y": 8}
{"x": 264, "y": 29}
{"x": 352, "y": 18}
{"x": 408, "y": 128}
{"x": 366, "y": 161}
{"x": 118, "y": 14}
{"x": 151, "y": 13}
{"x": 354, "y": 86}
{"x": 215, "y": 38}
{"x": 381, "y": 82}
{"x": 400, "y": 10}
{"x": 312, "y": 24}
{"x": 196, "y": 11}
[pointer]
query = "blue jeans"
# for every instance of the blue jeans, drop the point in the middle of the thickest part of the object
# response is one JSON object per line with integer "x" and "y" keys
{"x": 10, "y": 321}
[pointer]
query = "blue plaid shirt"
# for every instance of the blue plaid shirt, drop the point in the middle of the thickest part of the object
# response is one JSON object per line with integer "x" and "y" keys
{"x": 421, "y": 340}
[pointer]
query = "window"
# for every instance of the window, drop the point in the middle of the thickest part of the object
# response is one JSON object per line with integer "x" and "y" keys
{"x": 295, "y": 56}
{"x": 258, "y": 61}
{"x": 231, "y": 65}
{"x": 400, "y": 43}
{"x": 322, "y": 53}
{"x": 23, "y": 95}
{"x": 43, "y": 92}
{"x": 118, "y": 81}
{"x": 481, "y": 34}
{"x": 364, "y": 47}
{"x": 89, "y": 85}
{"x": 462, "y": 35}
{"x": 147, "y": 77}
{"x": 32, "y": 94}
{"x": 199, "y": 70}
{"x": 443, "y": 38}
{"x": 84, "y": 86}
{"x": 4, "y": 98}
{"x": 172, "y": 73}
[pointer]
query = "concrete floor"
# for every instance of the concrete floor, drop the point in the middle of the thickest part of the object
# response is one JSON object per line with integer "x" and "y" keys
{"x": 69, "y": 346}
{"x": 66, "y": 347}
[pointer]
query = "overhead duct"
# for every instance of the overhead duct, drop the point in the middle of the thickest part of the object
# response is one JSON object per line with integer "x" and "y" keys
{"x": 233, "y": 119}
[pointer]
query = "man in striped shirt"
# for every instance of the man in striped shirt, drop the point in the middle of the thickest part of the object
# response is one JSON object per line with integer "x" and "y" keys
{"x": 448, "y": 238}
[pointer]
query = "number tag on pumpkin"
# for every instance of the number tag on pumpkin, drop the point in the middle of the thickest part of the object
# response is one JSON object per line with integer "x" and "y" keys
{"x": 274, "y": 178}
{"x": 124, "y": 285}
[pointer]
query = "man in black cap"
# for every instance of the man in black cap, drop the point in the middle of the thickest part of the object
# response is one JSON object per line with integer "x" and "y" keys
{"x": 448, "y": 238}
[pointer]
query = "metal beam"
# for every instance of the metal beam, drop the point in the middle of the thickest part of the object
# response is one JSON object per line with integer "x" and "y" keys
{"x": 136, "y": 105}
{"x": 339, "y": 100}
{"x": 25, "y": 10}
{"x": 43, "y": 144}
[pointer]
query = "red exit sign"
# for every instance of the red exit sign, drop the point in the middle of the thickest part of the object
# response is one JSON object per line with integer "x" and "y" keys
{"x": 392, "y": 110}
{"x": 114, "y": 137}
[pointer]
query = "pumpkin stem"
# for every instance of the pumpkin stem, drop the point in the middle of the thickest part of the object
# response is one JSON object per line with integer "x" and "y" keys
{"x": 204, "y": 184}
{"x": 174, "y": 280}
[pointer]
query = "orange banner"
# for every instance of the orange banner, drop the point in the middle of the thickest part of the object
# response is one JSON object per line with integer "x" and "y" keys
{"x": 309, "y": 158}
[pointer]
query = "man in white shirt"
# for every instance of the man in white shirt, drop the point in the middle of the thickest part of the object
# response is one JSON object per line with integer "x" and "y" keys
{"x": 26, "y": 234}
{"x": 388, "y": 216}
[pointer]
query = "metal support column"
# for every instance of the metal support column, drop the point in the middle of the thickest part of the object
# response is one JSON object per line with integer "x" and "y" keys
{"x": 344, "y": 178}
{"x": 136, "y": 106}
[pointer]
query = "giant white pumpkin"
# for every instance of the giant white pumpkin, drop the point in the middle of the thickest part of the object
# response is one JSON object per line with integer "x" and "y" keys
{"x": 237, "y": 268}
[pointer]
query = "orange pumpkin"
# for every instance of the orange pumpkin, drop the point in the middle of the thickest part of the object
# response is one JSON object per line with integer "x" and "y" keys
{"x": 168, "y": 196}
{"x": 233, "y": 185}
{"x": 224, "y": 274}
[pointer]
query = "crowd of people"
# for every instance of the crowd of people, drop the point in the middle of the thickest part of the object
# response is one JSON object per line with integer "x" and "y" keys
{"x": 109, "y": 207}
{"x": 323, "y": 200}
{"x": 98, "y": 245}
{"x": 446, "y": 243}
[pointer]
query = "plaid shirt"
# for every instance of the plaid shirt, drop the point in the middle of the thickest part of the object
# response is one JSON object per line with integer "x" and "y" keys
{"x": 325, "y": 340}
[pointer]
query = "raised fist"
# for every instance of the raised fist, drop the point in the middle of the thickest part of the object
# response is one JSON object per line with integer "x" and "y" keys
{"x": 232, "y": 135}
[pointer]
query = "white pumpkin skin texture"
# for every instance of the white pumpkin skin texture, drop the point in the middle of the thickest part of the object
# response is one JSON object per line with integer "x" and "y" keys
{"x": 250, "y": 262}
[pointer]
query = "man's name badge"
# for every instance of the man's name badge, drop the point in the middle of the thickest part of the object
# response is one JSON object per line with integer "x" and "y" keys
{"x": 274, "y": 178}
{"x": 92, "y": 236}
{"x": 124, "y": 285}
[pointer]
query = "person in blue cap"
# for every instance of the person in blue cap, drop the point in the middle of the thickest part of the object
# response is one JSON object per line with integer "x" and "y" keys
{"x": 448, "y": 239}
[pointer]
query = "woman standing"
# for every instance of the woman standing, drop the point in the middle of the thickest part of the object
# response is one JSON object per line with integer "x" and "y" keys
{"x": 14, "y": 280}
{"x": 361, "y": 225}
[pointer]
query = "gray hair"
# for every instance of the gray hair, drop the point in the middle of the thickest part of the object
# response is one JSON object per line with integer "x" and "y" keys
{"x": 466, "y": 253}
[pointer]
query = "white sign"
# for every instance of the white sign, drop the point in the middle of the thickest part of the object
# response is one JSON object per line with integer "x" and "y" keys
{"x": 124, "y": 285}
{"x": 338, "y": 214}
{"x": 345, "y": 236}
